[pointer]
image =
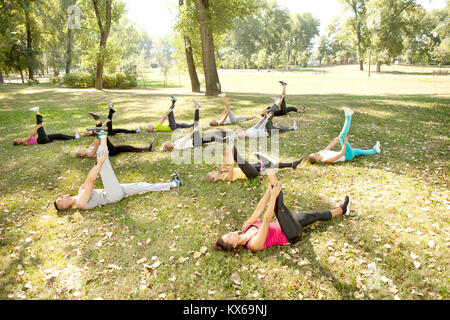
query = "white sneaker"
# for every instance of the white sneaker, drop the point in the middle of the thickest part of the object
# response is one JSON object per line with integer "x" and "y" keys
{"x": 34, "y": 109}
{"x": 348, "y": 111}
{"x": 138, "y": 130}
{"x": 255, "y": 114}
{"x": 77, "y": 135}
{"x": 222, "y": 95}
{"x": 196, "y": 104}
{"x": 295, "y": 125}
{"x": 377, "y": 147}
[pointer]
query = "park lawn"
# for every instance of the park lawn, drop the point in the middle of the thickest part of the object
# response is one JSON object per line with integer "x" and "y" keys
{"x": 400, "y": 199}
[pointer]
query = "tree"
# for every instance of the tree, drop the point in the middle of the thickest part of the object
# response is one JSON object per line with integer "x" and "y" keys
{"x": 164, "y": 52}
{"x": 304, "y": 29}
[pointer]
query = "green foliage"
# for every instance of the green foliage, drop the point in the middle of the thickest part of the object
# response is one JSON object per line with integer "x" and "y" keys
{"x": 118, "y": 80}
{"x": 78, "y": 80}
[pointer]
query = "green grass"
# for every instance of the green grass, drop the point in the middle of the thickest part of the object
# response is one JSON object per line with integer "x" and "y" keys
{"x": 399, "y": 198}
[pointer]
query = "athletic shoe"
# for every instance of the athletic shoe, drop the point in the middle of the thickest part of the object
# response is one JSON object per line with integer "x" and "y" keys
{"x": 255, "y": 114}
{"x": 377, "y": 147}
{"x": 348, "y": 111}
{"x": 176, "y": 180}
{"x": 295, "y": 126}
{"x": 345, "y": 206}
{"x": 266, "y": 162}
{"x": 296, "y": 163}
{"x": 111, "y": 105}
{"x": 283, "y": 83}
{"x": 103, "y": 134}
{"x": 150, "y": 148}
{"x": 138, "y": 130}
{"x": 34, "y": 109}
{"x": 77, "y": 135}
{"x": 96, "y": 117}
{"x": 222, "y": 95}
{"x": 196, "y": 104}
{"x": 173, "y": 99}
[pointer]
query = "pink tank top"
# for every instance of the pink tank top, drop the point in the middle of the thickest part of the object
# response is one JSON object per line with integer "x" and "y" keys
{"x": 33, "y": 140}
{"x": 275, "y": 236}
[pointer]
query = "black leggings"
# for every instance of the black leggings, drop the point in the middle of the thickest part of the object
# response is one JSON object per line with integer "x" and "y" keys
{"x": 292, "y": 224}
{"x": 198, "y": 140}
{"x": 44, "y": 138}
{"x": 115, "y": 150}
{"x": 174, "y": 125}
{"x": 283, "y": 110}
{"x": 251, "y": 171}
{"x": 111, "y": 131}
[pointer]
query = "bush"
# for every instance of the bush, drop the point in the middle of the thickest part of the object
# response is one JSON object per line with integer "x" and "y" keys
{"x": 109, "y": 81}
{"x": 78, "y": 80}
{"x": 31, "y": 82}
{"x": 56, "y": 80}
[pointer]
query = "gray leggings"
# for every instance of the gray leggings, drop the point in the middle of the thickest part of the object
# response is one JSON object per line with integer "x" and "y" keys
{"x": 232, "y": 119}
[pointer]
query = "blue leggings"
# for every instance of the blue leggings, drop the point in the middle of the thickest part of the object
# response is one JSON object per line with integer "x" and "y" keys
{"x": 350, "y": 152}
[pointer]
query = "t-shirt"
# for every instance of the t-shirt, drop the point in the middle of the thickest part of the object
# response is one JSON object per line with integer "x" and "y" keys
{"x": 275, "y": 236}
{"x": 187, "y": 145}
{"x": 98, "y": 198}
{"x": 33, "y": 140}
{"x": 256, "y": 133}
{"x": 328, "y": 154}
{"x": 161, "y": 128}
{"x": 237, "y": 174}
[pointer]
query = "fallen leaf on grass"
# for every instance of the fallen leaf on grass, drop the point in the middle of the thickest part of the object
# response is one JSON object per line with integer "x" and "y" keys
{"x": 236, "y": 278}
{"x": 141, "y": 260}
{"x": 197, "y": 254}
{"x": 416, "y": 264}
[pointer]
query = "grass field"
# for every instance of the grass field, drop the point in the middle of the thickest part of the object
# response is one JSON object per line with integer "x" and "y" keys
{"x": 394, "y": 245}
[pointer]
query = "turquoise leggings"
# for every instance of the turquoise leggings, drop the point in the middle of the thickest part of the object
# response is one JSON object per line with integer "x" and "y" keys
{"x": 350, "y": 152}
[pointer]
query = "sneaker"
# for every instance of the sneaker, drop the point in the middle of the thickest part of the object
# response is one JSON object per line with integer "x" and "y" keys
{"x": 377, "y": 147}
{"x": 34, "y": 109}
{"x": 173, "y": 99}
{"x": 295, "y": 126}
{"x": 348, "y": 111}
{"x": 196, "y": 104}
{"x": 103, "y": 134}
{"x": 77, "y": 135}
{"x": 151, "y": 148}
{"x": 345, "y": 206}
{"x": 283, "y": 83}
{"x": 138, "y": 130}
{"x": 296, "y": 163}
{"x": 222, "y": 95}
{"x": 176, "y": 180}
{"x": 96, "y": 117}
{"x": 266, "y": 162}
{"x": 255, "y": 114}
{"x": 111, "y": 105}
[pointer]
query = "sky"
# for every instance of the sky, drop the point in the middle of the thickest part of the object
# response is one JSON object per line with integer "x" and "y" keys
{"x": 157, "y": 16}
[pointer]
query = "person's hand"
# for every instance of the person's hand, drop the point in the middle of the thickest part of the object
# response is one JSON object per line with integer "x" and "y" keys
{"x": 346, "y": 139}
{"x": 102, "y": 157}
{"x": 276, "y": 190}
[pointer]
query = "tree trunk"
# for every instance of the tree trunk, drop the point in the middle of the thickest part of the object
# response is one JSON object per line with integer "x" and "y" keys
{"x": 55, "y": 72}
{"x": 104, "y": 33}
{"x": 209, "y": 60}
{"x": 21, "y": 75}
{"x": 69, "y": 49}
{"x": 378, "y": 66}
{"x": 29, "y": 44}
{"x": 2, "y": 81}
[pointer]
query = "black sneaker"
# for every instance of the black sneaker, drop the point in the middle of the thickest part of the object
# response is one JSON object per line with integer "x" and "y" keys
{"x": 176, "y": 177}
{"x": 266, "y": 162}
{"x": 283, "y": 83}
{"x": 96, "y": 117}
{"x": 345, "y": 206}
{"x": 296, "y": 163}
{"x": 151, "y": 148}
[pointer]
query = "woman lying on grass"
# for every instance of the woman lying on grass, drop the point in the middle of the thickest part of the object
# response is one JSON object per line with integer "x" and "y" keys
{"x": 245, "y": 169}
{"x": 38, "y": 136}
{"x": 227, "y": 116}
{"x": 282, "y": 110}
{"x": 258, "y": 235}
{"x": 170, "y": 116}
{"x": 89, "y": 198}
{"x": 347, "y": 153}
{"x": 112, "y": 149}
{"x": 108, "y": 123}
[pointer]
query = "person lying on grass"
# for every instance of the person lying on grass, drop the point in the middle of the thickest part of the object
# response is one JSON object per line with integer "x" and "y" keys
{"x": 245, "y": 169}
{"x": 282, "y": 110}
{"x": 347, "y": 152}
{"x": 113, "y": 150}
{"x": 109, "y": 125}
{"x": 173, "y": 125}
{"x": 227, "y": 116}
{"x": 38, "y": 136}
{"x": 265, "y": 127}
{"x": 258, "y": 235}
{"x": 89, "y": 198}
{"x": 192, "y": 140}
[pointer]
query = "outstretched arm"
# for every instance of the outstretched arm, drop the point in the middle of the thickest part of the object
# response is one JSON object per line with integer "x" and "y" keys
{"x": 259, "y": 208}
{"x": 34, "y": 133}
{"x": 332, "y": 144}
{"x": 229, "y": 160}
{"x": 88, "y": 186}
{"x": 260, "y": 238}
{"x": 164, "y": 117}
{"x": 91, "y": 154}
{"x": 342, "y": 153}
{"x": 187, "y": 137}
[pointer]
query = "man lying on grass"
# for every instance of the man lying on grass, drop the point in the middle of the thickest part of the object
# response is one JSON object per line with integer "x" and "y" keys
{"x": 245, "y": 169}
{"x": 89, "y": 198}
{"x": 258, "y": 235}
{"x": 347, "y": 152}
{"x": 38, "y": 136}
{"x": 227, "y": 116}
{"x": 173, "y": 125}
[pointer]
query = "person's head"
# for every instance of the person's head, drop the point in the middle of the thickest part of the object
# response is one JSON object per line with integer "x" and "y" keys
{"x": 63, "y": 202}
{"x": 314, "y": 158}
{"x": 18, "y": 141}
{"x": 150, "y": 128}
{"x": 228, "y": 242}
{"x": 211, "y": 176}
{"x": 81, "y": 153}
{"x": 167, "y": 146}
{"x": 264, "y": 112}
{"x": 214, "y": 123}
